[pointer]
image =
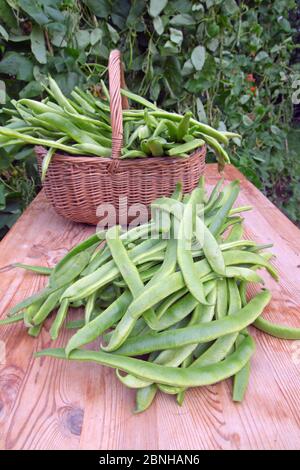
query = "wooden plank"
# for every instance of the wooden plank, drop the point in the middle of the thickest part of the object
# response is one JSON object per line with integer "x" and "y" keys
{"x": 51, "y": 404}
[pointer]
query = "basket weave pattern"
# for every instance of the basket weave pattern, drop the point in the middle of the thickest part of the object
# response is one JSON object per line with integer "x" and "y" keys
{"x": 77, "y": 185}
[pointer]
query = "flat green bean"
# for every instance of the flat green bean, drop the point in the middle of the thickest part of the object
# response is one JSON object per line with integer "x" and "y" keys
{"x": 235, "y": 233}
{"x": 109, "y": 271}
{"x": 59, "y": 319}
{"x": 89, "y": 306}
{"x": 184, "y": 254}
{"x": 96, "y": 327}
{"x": 144, "y": 397}
{"x": 181, "y": 377}
{"x": 236, "y": 257}
{"x": 210, "y": 246}
{"x": 67, "y": 271}
{"x": 274, "y": 329}
{"x": 222, "y": 299}
{"x": 47, "y": 307}
{"x": 202, "y": 333}
{"x": 14, "y": 319}
{"x": 220, "y": 217}
{"x": 241, "y": 378}
{"x": 36, "y": 269}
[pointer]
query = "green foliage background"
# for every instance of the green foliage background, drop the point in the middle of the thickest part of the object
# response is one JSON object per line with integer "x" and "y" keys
{"x": 229, "y": 61}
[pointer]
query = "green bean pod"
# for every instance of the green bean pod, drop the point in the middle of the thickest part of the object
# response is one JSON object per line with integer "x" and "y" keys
{"x": 202, "y": 333}
{"x": 189, "y": 377}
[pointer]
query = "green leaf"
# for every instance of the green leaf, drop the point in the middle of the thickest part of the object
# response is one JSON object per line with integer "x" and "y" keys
{"x": 118, "y": 21}
{"x": 101, "y": 8}
{"x": 285, "y": 24}
{"x": 67, "y": 81}
{"x": 96, "y": 36}
{"x": 34, "y": 9}
{"x": 38, "y": 46}
{"x": 19, "y": 38}
{"x": 198, "y": 57}
{"x": 209, "y": 3}
{"x": 82, "y": 38}
{"x": 182, "y": 20}
{"x": 187, "y": 68}
{"x": 16, "y": 64}
{"x": 31, "y": 90}
{"x": 154, "y": 91}
{"x": 262, "y": 55}
{"x": 230, "y": 7}
{"x": 2, "y": 92}
{"x": 201, "y": 111}
{"x": 58, "y": 38}
{"x": 275, "y": 130}
{"x": 4, "y": 33}
{"x": 136, "y": 11}
{"x": 158, "y": 25}
{"x": 7, "y": 16}
{"x": 8, "y": 220}
{"x": 213, "y": 44}
{"x": 5, "y": 159}
{"x": 24, "y": 153}
{"x": 156, "y": 7}
{"x": 172, "y": 73}
{"x": 176, "y": 36}
{"x": 247, "y": 121}
{"x": 54, "y": 13}
{"x": 198, "y": 7}
{"x": 244, "y": 99}
{"x": 113, "y": 34}
{"x": 222, "y": 126}
{"x": 2, "y": 197}
{"x": 169, "y": 48}
{"x": 213, "y": 29}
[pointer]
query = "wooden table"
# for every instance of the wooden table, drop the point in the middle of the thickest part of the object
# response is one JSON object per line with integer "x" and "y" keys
{"x": 51, "y": 404}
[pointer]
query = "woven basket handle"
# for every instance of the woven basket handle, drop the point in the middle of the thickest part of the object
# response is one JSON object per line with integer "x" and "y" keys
{"x": 117, "y": 102}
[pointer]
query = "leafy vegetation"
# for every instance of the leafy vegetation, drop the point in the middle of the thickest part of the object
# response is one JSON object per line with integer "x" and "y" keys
{"x": 229, "y": 61}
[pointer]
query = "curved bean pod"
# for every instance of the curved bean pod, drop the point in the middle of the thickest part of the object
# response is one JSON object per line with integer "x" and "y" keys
{"x": 144, "y": 397}
{"x": 201, "y": 333}
{"x": 180, "y": 377}
{"x": 210, "y": 246}
{"x": 184, "y": 253}
{"x": 131, "y": 276}
{"x": 236, "y": 257}
{"x": 36, "y": 269}
{"x": 109, "y": 271}
{"x": 96, "y": 327}
{"x": 274, "y": 329}
{"x": 59, "y": 319}
{"x": 175, "y": 357}
{"x": 221, "y": 215}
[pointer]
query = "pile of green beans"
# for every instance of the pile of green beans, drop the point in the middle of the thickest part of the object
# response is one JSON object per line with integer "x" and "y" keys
{"x": 168, "y": 298}
{"x": 82, "y": 125}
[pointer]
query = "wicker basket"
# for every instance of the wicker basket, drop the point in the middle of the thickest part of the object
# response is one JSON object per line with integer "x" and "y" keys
{"x": 77, "y": 185}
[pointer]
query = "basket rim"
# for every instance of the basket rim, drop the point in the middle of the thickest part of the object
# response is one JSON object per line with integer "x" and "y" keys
{"x": 41, "y": 151}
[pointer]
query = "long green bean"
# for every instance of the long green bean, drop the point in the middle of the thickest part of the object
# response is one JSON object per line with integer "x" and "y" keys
{"x": 181, "y": 377}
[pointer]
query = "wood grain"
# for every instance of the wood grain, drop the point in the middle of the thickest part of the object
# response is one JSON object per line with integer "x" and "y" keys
{"x": 51, "y": 404}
